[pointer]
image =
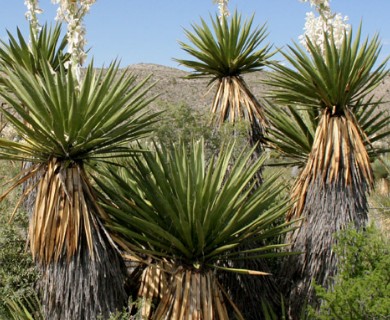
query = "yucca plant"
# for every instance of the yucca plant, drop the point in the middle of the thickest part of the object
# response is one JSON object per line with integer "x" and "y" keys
{"x": 331, "y": 191}
{"x": 294, "y": 127}
{"x": 49, "y": 46}
{"x": 64, "y": 128}
{"x": 223, "y": 54}
{"x": 25, "y": 307}
{"x": 185, "y": 216}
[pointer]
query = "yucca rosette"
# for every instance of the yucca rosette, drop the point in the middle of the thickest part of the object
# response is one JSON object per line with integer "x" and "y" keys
{"x": 332, "y": 116}
{"x": 187, "y": 216}
{"x": 224, "y": 53}
{"x": 64, "y": 127}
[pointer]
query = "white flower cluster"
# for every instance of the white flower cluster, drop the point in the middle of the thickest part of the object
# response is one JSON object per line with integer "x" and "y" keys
{"x": 335, "y": 26}
{"x": 223, "y": 8}
{"x": 31, "y": 15}
{"x": 72, "y": 12}
{"x": 317, "y": 3}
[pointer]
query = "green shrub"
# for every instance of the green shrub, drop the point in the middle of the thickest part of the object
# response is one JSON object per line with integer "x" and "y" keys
{"x": 182, "y": 123}
{"x": 17, "y": 272}
{"x": 362, "y": 286}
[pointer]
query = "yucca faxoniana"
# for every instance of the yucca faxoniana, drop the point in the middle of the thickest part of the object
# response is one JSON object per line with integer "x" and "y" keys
{"x": 294, "y": 128}
{"x": 49, "y": 45}
{"x": 63, "y": 127}
{"x": 331, "y": 192}
{"x": 187, "y": 215}
{"x": 224, "y": 53}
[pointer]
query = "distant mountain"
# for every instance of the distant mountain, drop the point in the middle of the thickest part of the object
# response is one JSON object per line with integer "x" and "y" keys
{"x": 174, "y": 88}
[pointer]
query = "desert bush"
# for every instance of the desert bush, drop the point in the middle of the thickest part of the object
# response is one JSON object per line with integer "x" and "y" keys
{"x": 17, "y": 272}
{"x": 181, "y": 122}
{"x": 362, "y": 286}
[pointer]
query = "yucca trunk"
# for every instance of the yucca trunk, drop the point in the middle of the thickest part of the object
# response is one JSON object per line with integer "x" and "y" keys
{"x": 182, "y": 294}
{"x": 82, "y": 271}
{"x": 234, "y": 102}
{"x": 29, "y": 190}
{"x": 330, "y": 195}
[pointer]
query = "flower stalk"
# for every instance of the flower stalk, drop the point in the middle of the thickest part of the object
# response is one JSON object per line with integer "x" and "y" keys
{"x": 32, "y": 16}
{"x": 326, "y": 23}
{"x": 222, "y": 8}
{"x": 72, "y": 12}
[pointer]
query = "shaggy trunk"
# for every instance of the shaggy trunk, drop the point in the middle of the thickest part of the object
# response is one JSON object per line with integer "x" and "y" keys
{"x": 84, "y": 287}
{"x": 330, "y": 195}
{"x": 234, "y": 102}
{"x": 182, "y": 294}
{"x": 28, "y": 188}
{"x": 82, "y": 272}
{"x": 328, "y": 209}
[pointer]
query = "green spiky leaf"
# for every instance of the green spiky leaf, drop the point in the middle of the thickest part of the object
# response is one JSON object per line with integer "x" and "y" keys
{"x": 173, "y": 204}
{"x": 336, "y": 79}
{"x": 229, "y": 48}
{"x": 58, "y": 117}
{"x": 47, "y": 46}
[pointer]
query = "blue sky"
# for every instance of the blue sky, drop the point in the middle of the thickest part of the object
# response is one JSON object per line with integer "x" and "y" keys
{"x": 147, "y": 31}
